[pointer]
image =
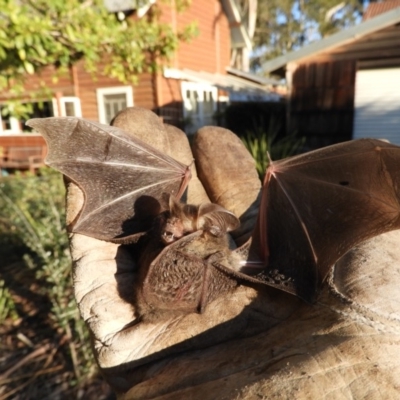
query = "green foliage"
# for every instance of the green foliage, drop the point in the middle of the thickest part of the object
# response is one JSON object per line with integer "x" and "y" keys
{"x": 32, "y": 223}
{"x": 35, "y": 34}
{"x": 7, "y": 305}
{"x": 286, "y": 25}
{"x": 265, "y": 146}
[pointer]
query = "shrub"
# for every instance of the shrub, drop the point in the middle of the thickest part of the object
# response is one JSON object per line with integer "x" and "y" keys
{"x": 33, "y": 237}
{"x": 265, "y": 145}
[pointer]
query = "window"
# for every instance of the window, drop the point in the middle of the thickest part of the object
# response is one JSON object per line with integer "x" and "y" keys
{"x": 199, "y": 105}
{"x": 11, "y": 124}
{"x": 70, "y": 106}
{"x": 8, "y": 123}
{"x": 112, "y": 100}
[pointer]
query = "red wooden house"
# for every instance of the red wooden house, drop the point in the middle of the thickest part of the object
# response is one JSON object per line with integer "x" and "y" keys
{"x": 187, "y": 93}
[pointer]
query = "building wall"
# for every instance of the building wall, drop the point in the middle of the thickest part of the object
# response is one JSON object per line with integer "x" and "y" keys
{"x": 87, "y": 85}
{"x": 209, "y": 51}
{"x": 321, "y": 101}
{"x": 64, "y": 82}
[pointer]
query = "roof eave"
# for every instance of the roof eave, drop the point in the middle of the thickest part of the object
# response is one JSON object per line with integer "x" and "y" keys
{"x": 338, "y": 39}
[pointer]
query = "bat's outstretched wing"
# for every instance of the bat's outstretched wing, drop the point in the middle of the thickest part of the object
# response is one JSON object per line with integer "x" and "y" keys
{"x": 317, "y": 206}
{"x": 122, "y": 177}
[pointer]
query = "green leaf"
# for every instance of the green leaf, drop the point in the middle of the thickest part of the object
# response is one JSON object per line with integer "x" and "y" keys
{"x": 22, "y": 54}
{"x": 29, "y": 68}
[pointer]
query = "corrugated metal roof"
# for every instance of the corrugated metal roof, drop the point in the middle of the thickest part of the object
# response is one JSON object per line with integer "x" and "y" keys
{"x": 338, "y": 39}
{"x": 375, "y": 9}
{"x": 235, "y": 85}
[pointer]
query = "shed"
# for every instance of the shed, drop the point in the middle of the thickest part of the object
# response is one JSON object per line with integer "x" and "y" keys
{"x": 346, "y": 85}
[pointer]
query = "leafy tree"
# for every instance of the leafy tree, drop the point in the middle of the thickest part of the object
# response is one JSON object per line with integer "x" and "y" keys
{"x": 286, "y": 25}
{"x": 38, "y": 33}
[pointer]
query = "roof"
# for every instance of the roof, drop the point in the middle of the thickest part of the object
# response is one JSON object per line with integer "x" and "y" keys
{"x": 262, "y": 80}
{"x": 375, "y": 9}
{"x": 239, "y": 88}
{"x": 347, "y": 36}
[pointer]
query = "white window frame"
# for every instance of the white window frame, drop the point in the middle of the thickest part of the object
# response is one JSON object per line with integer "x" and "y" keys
{"x": 127, "y": 90}
{"x": 14, "y": 123}
{"x": 200, "y": 88}
{"x": 67, "y": 99}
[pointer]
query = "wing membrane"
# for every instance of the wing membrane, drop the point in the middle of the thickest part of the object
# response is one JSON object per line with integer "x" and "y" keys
{"x": 319, "y": 205}
{"x": 121, "y": 176}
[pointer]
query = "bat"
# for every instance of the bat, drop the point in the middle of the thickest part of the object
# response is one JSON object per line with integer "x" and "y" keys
{"x": 176, "y": 272}
{"x": 315, "y": 207}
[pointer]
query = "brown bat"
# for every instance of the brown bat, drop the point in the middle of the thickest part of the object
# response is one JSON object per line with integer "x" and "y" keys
{"x": 176, "y": 273}
{"x": 315, "y": 207}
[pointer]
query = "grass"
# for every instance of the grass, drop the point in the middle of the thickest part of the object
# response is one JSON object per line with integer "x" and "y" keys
{"x": 44, "y": 348}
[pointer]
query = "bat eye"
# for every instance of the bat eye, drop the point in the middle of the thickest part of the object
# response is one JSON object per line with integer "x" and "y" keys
{"x": 344, "y": 183}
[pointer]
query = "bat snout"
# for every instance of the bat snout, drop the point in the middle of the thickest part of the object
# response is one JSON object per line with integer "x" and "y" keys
{"x": 172, "y": 231}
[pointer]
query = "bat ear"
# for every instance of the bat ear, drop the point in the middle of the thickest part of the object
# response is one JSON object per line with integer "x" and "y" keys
{"x": 180, "y": 210}
{"x": 216, "y": 219}
{"x": 174, "y": 205}
{"x": 170, "y": 203}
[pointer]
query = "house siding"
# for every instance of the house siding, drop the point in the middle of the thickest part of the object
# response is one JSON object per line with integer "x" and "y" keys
{"x": 321, "y": 102}
{"x": 377, "y": 104}
{"x": 375, "y": 9}
{"x": 44, "y": 78}
{"x": 209, "y": 51}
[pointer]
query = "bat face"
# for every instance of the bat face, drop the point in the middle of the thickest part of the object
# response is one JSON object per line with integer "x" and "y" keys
{"x": 172, "y": 229}
{"x": 315, "y": 207}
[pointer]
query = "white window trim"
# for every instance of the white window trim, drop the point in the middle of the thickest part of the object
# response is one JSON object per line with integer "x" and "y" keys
{"x": 71, "y": 99}
{"x": 63, "y": 101}
{"x": 127, "y": 90}
{"x": 15, "y": 126}
{"x": 200, "y": 88}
